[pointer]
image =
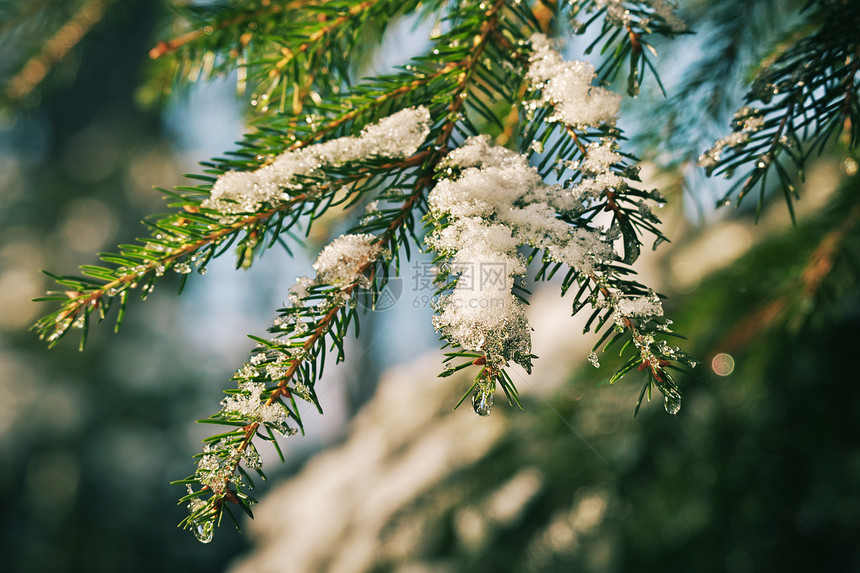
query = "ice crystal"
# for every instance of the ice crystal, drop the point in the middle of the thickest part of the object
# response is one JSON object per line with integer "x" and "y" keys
{"x": 398, "y": 135}
{"x": 299, "y": 291}
{"x": 600, "y": 157}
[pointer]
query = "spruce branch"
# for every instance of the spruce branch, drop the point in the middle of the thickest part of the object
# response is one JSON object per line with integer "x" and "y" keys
{"x": 490, "y": 202}
{"x": 827, "y": 263}
{"x": 625, "y": 29}
{"x": 191, "y": 237}
{"x": 288, "y": 54}
{"x": 281, "y": 371}
{"x": 268, "y": 365}
{"x": 196, "y": 234}
{"x": 411, "y": 143}
{"x": 808, "y": 96}
{"x": 225, "y": 19}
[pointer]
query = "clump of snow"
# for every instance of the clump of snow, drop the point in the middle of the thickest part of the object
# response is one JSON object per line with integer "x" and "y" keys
{"x": 498, "y": 203}
{"x": 640, "y": 306}
{"x": 396, "y": 136}
{"x": 599, "y": 157}
{"x": 599, "y": 176}
{"x": 566, "y": 86}
{"x": 342, "y": 261}
{"x": 341, "y": 264}
{"x": 251, "y": 407}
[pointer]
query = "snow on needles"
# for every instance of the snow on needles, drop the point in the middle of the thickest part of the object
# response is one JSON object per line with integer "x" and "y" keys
{"x": 498, "y": 203}
{"x": 342, "y": 261}
{"x": 398, "y": 135}
{"x": 566, "y": 86}
{"x": 618, "y": 14}
{"x": 340, "y": 264}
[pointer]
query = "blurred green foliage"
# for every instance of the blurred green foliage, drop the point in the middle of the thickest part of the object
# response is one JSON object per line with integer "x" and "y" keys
{"x": 88, "y": 441}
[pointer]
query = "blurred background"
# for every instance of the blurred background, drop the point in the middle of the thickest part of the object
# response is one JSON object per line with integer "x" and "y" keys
{"x": 760, "y": 471}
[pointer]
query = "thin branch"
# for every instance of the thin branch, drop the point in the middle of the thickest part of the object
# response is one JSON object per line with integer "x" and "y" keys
{"x": 325, "y": 30}
{"x": 92, "y": 298}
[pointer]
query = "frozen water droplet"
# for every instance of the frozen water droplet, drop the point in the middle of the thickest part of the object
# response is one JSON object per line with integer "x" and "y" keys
{"x": 672, "y": 403}
{"x": 205, "y": 532}
{"x": 253, "y": 459}
{"x": 482, "y": 399}
{"x": 593, "y": 359}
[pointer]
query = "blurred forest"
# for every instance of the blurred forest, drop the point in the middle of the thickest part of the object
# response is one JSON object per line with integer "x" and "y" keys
{"x": 760, "y": 471}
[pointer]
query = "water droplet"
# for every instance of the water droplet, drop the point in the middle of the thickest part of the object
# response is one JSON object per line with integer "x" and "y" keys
{"x": 482, "y": 399}
{"x": 593, "y": 359}
{"x": 205, "y": 532}
{"x": 672, "y": 403}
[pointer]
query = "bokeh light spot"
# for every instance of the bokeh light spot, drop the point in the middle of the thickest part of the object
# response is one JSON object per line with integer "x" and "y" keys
{"x": 723, "y": 364}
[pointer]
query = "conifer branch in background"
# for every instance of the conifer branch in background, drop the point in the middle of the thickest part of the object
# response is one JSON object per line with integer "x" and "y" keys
{"x": 55, "y": 47}
{"x": 808, "y": 96}
{"x": 285, "y": 53}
